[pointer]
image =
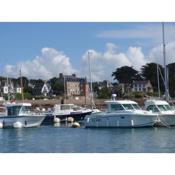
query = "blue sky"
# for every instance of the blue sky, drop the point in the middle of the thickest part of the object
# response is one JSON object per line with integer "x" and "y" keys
{"x": 21, "y": 42}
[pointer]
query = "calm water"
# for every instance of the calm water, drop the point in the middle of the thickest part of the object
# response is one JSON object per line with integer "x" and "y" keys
{"x": 49, "y": 139}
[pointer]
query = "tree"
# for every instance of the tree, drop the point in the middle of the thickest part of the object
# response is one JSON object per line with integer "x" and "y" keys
{"x": 149, "y": 72}
{"x": 57, "y": 86}
{"x": 126, "y": 74}
{"x": 171, "y": 77}
{"x": 25, "y": 81}
{"x": 104, "y": 93}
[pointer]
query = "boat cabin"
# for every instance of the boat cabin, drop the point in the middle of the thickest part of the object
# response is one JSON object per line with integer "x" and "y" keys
{"x": 18, "y": 109}
{"x": 64, "y": 107}
{"x": 157, "y": 106}
{"x": 121, "y": 105}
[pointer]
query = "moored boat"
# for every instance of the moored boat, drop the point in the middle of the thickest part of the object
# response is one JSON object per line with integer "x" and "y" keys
{"x": 121, "y": 113}
{"x": 64, "y": 112}
{"x": 19, "y": 115}
{"x": 166, "y": 114}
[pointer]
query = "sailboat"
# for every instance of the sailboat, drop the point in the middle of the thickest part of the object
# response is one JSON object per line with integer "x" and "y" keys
{"x": 93, "y": 107}
{"x": 166, "y": 114}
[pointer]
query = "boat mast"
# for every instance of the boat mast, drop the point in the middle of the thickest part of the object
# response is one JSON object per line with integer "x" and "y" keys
{"x": 158, "y": 81}
{"x": 165, "y": 68}
{"x": 22, "y": 93}
{"x": 90, "y": 76}
{"x": 8, "y": 89}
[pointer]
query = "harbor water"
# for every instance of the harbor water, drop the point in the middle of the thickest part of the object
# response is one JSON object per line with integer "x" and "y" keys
{"x": 50, "y": 139}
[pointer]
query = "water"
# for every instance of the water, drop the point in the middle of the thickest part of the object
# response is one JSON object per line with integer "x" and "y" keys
{"x": 50, "y": 139}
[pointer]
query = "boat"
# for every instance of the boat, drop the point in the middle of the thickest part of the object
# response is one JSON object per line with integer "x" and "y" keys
{"x": 165, "y": 112}
{"x": 20, "y": 115}
{"x": 121, "y": 113}
{"x": 66, "y": 112}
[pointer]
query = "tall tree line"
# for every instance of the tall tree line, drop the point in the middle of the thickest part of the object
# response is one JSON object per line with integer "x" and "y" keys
{"x": 127, "y": 74}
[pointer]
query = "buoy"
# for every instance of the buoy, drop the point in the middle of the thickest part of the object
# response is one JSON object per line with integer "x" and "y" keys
{"x": 1, "y": 125}
{"x": 75, "y": 125}
{"x": 17, "y": 125}
{"x": 56, "y": 120}
{"x": 70, "y": 119}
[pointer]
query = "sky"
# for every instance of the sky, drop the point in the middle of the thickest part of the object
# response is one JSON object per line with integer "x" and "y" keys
{"x": 43, "y": 50}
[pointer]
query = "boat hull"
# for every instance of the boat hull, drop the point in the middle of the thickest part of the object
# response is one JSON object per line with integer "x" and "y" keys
{"x": 49, "y": 119}
{"x": 26, "y": 121}
{"x": 120, "y": 121}
{"x": 166, "y": 120}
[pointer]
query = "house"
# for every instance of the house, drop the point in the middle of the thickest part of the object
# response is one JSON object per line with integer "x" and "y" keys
{"x": 74, "y": 85}
{"x": 46, "y": 89}
{"x": 39, "y": 87}
{"x": 142, "y": 86}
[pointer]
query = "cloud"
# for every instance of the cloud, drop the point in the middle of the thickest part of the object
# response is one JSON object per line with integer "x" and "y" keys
{"x": 156, "y": 53}
{"x": 49, "y": 64}
{"x": 148, "y": 31}
{"x": 104, "y": 63}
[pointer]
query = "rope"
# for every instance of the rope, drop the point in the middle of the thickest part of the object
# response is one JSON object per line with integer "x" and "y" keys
{"x": 164, "y": 123}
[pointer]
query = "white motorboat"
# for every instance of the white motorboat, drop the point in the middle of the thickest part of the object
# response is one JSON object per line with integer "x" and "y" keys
{"x": 166, "y": 114}
{"x": 20, "y": 115}
{"x": 121, "y": 113}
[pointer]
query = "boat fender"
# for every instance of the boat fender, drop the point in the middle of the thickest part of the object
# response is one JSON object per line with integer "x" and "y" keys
{"x": 70, "y": 119}
{"x": 57, "y": 120}
{"x": 75, "y": 125}
{"x": 1, "y": 124}
{"x": 17, "y": 125}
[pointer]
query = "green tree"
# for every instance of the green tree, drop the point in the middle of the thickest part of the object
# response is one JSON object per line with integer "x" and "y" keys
{"x": 171, "y": 77}
{"x": 126, "y": 74}
{"x": 104, "y": 93}
{"x": 57, "y": 86}
{"x": 149, "y": 72}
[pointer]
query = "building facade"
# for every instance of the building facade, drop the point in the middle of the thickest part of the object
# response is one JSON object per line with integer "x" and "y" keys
{"x": 142, "y": 86}
{"x": 74, "y": 85}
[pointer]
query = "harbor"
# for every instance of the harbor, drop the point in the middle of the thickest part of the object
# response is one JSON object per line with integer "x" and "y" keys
{"x": 56, "y": 108}
{"x": 50, "y": 139}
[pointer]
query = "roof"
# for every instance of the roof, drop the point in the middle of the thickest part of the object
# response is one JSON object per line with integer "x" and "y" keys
{"x": 121, "y": 102}
{"x": 141, "y": 82}
{"x": 18, "y": 104}
{"x": 156, "y": 102}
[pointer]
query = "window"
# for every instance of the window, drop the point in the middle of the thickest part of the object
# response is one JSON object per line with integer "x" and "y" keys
{"x": 136, "y": 106}
{"x": 161, "y": 107}
{"x": 152, "y": 108}
{"x": 168, "y": 107}
{"x": 13, "y": 110}
{"x": 128, "y": 106}
{"x": 116, "y": 107}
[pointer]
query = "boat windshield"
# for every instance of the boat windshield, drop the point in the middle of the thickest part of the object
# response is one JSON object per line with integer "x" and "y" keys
{"x": 116, "y": 107}
{"x": 162, "y": 107}
{"x": 66, "y": 107}
{"x": 136, "y": 106}
{"x": 26, "y": 109}
{"x": 128, "y": 106}
{"x": 152, "y": 108}
{"x": 168, "y": 107}
{"x": 13, "y": 110}
{"x": 76, "y": 108}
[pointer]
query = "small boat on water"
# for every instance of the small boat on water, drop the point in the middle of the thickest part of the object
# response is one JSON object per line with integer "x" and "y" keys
{"x": 121, "y": 113}
{"x": 166, "y": 113}
{"x": 19, "y": 115}
{"x": 64, "y": 112}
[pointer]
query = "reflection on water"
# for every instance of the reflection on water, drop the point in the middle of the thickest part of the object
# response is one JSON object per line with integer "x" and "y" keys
{"x": 66, "y": 139}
